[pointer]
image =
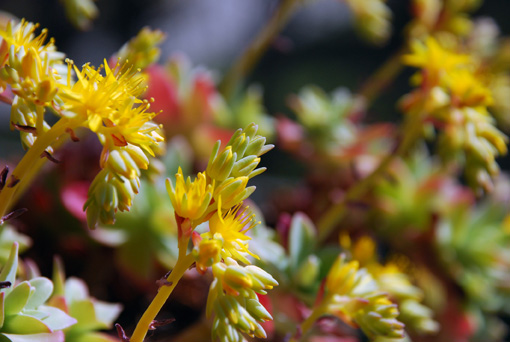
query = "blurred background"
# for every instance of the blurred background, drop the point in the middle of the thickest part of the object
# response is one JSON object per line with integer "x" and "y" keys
{"x": 318, "y": 46}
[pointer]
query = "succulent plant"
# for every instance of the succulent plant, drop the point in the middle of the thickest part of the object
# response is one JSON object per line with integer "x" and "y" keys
{"x": 24, "y": 315}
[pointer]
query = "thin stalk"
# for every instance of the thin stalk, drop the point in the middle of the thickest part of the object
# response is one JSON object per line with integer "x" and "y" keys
{"x": 25, "y": 170}
{"x": 307, "y": 324}
{"x": 34, "y": 170}
{"x": 183, "y": 263}
{"x": 336, "y": 213}
{"x": 383, "y": 76}
{"x": 245, "y": 63}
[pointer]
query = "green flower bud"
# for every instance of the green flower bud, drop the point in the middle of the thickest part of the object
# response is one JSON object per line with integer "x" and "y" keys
{"x": 240, "y": 144}
{"x": 237, "y": 277}
{"x": 258, "y": 310}
{"x": 261, "y": 275}
{"x": 232, "y": 191}
{"x": 220, "y": 167}
{"x": 245, "y": 166}
{"x": 308, "y": 272}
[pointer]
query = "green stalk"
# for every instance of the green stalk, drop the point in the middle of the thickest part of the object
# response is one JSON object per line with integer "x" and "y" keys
{"x": 245, "y": 63}
{"x": 412, "y": 131}
{"x": 184, "y": 262}
{"x": 31, "y": 162}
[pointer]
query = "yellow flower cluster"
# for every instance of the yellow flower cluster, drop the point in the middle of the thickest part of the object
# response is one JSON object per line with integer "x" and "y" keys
{"x": 33, "y": 70}
{"x": 190, "y": 199}
{"x": 223, "y": 184}
{"x": 372, "y": 19}
{"x": 353, "y": 295}
{"x": 449, "y": 17}
{"x": 104, "y": 100}
{"x": 234, "y": 302}
{"x": 453, "y": 94}
{"x": 391, "y": 279}
{"x": 216, "y": 197}
{"x": 142, "y": 50}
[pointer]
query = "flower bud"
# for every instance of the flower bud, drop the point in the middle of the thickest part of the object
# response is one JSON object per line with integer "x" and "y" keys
{"x": 231, "y": 191}
{"x": 221, "y": 166}
{"x": 244, "y": 166}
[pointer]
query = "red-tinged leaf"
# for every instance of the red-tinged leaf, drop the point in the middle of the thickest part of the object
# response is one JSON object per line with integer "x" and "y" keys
{"x": 73, "y": 196}
{"x": 290, "y": 133}
{"x": 164, "y": 92}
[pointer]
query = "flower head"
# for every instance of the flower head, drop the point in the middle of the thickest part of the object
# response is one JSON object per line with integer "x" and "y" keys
{"x": 433, "y": 59}
{"x": 190, "y": 199}
{"x": 231, "y": 228}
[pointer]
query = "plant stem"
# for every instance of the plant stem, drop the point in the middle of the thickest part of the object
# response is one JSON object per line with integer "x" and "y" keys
{"x": 29, "y": 164}
{"x": 382, "y": 77}
{"x": 373, "y": 87}
{"x": 245, "y": 63}
{"x": 183, "y": 263}
{"x": 327, "y": 223}
{"x": 308, "y": 323}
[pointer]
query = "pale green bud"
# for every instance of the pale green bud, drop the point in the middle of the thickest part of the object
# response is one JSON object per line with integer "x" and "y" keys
{"x": 256, "y": 146}
{"x": 261, "y": 275}
{"x": 308, "y": 272}
{"x": 251, "y": 130}
{"x": 46, "y": 91}
{"x": 237, "y": 277}
{"x": 107, "y": 194}
{"x": 232, "y": 191}
{"x": 257, "y": 310}
{"x": 117, "y": 163}
{"x": 221, "y": 166}
{"x": 240, "y": 144}
{"x": 245, "y": 166}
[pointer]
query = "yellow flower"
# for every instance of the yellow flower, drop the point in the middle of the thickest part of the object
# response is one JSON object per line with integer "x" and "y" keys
{"x": 190, "y": 199}
{"x": 142, "y": 50}
{"x": 231, "y": 229}
{"x": 207, "y": 252}
{"x": 22, "y": 35}
{"x": 467, "y": 89}
{"x": 433, "y": 59}
{"x": 108, "y": 105}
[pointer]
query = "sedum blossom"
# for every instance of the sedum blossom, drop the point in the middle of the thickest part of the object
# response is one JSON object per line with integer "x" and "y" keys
{"x": 454, "y": 96}
{"x": 190, "y": 199}
{"x": 234, "y": 302}
{"x": 351, "y": 294}
{"x": 230, "y": 229}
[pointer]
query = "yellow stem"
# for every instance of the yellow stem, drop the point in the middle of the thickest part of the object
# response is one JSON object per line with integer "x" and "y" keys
{"x": 25, "y": 170}
{"x": 183, "y": 263}
{"x": 327, "y": 223}
{"x": 258, "y": 46}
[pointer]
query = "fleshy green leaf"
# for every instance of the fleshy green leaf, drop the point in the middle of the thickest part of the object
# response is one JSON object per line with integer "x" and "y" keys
{"x": 57, "y": 336}
{"x": 301, "y": 239}
{"x": 43, "y": 289}
{"x": 57, "y": 319}
{"x": 8, "y": 235}
{"x": 85, "y": 313}
{"x": 75, "y": 289}
{"x": 92, "y": 337}
{"x": 10, "y": 268}
{"x": 106, "y": 312}
{"x": 22, "y": 324}
{"x": 17, "y": 299}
